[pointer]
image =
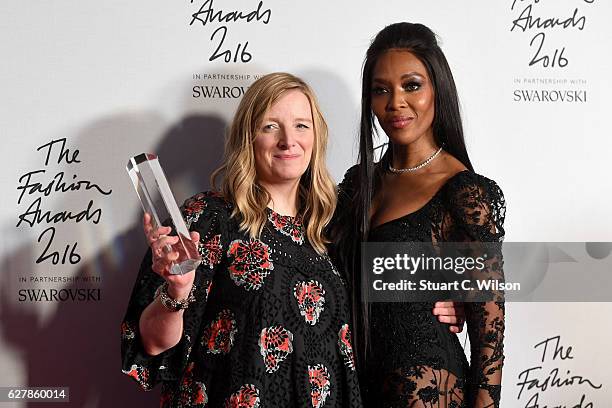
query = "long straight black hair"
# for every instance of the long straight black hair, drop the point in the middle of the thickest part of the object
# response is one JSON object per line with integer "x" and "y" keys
{"x": 447, "y": 130}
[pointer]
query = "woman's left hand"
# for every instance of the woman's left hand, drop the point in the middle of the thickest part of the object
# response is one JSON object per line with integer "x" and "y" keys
{"x": 452, "y": 313}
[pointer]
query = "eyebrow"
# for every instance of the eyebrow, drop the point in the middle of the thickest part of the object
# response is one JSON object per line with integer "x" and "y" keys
{"x": 296, "y": 119}
{"x": 409, "y": 74}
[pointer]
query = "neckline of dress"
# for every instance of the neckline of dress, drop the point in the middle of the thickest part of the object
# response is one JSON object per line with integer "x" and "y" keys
{"x": 442, "y": 187}
{"x": 291, "y": 217}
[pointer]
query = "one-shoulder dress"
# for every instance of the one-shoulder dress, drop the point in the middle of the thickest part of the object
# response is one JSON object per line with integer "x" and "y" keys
{"x": 414, "y": 360}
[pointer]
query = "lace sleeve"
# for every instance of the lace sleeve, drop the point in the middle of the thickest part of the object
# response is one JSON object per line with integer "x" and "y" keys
{"x": 201, "y": 214}
{"x": 477, "y": 212}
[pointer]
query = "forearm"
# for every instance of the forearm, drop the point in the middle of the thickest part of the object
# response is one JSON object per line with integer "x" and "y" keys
{"x": 160, "y": 328}
{"x": 486, "y": 329}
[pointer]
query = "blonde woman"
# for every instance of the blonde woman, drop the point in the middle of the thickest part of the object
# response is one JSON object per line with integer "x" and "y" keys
{"x": 264, "y": 320}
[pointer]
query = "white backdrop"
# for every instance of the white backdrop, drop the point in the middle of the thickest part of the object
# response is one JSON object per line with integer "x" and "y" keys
{"x": 118, "y": 78}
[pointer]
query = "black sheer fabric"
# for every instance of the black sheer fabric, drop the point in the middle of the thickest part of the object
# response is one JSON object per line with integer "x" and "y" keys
{"x": 414, "y": 360}
{"x": 270, "y": 326}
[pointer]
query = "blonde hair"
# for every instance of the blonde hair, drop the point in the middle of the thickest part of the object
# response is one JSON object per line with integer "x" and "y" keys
{"x": 317, "y": 191}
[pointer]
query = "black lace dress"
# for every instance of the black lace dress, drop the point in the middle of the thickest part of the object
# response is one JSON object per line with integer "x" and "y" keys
{"x": 269, "y": 328}
{"x": 415, "y": 361}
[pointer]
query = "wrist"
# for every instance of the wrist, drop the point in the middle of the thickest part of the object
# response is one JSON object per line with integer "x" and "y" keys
{"x": 179, "y": 292}
{"x": 172, "y": 303}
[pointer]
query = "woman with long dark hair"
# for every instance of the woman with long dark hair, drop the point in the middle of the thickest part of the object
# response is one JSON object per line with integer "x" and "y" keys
{"x": 423, "y": 189}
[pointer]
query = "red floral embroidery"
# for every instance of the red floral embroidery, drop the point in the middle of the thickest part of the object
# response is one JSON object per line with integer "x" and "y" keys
{"x": 250, "y": 264}
{"x": 127, "y": 331}
{"x": 310, "y": 300}
{"x": 218, "y": 337}
{"x": 190, "y": 392}
{"x": 246, "y": 397}
{"x": 208, "y": 288}
{"x": 140, "y": 374}
{"x": 211, "y": 251}
{"x": 289, "y": 226}
{"x": 320, "y": 387}
{"x": 346, "y": 349}
{"x": 275, "y": 344}
{"x": 194, "y": 207}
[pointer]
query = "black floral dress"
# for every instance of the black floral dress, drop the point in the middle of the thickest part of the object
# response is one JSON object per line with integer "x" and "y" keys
{"x": 414, "y": 360}
{"x": 269, "y": 328}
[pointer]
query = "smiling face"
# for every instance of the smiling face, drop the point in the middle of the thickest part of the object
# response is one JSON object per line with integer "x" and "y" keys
{"x": 284, "y": 139}
{"x": 403, "y": 97}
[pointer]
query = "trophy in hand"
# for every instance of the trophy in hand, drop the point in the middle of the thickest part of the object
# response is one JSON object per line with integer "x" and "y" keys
{"x": 158, "y": 201}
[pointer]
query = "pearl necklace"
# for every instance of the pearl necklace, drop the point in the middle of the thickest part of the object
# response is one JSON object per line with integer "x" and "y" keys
{"x": 418, "y": 166}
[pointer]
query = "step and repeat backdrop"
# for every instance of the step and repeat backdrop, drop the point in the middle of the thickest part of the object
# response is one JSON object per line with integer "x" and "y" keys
{"x": 86, "y": 85}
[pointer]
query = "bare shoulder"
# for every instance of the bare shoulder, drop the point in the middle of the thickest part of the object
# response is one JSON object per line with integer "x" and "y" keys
{"x": 445, "y": 169}
{"x": 450, "y": 165}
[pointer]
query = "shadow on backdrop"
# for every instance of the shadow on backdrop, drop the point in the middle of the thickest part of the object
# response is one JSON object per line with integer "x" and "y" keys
{"x": 79, "y": 345}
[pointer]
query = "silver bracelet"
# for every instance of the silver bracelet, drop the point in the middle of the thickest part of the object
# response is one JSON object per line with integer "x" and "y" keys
{"x": 172, "y": 304}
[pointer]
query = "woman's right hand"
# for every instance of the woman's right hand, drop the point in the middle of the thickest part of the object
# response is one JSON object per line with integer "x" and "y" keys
{"x": 166, "y": 250}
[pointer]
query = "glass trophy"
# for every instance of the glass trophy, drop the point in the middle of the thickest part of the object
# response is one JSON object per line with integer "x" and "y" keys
{"x": 158, "y": 201}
